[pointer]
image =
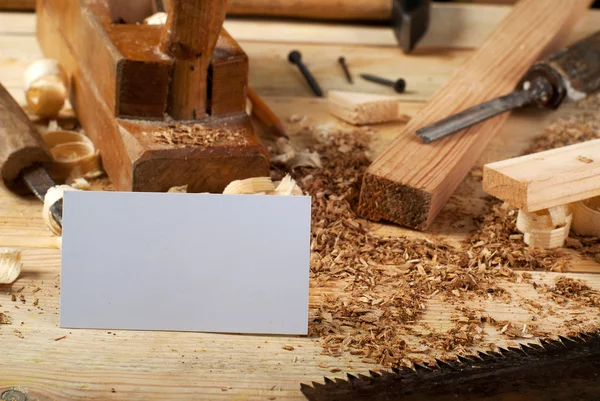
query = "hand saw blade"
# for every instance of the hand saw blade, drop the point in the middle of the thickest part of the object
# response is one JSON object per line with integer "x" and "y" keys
{"x": 567, "y": 368}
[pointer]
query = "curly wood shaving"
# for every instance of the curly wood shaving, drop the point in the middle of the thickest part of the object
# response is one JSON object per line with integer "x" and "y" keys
{"x": 288, "y": 187}
{"x": 46, "y": 87}
{"x": 548, "y": 228}
{"x": 53, "y": 195}
{"x": 10, "y": 265}
{"x": 586, "y": 217}
{"x": 255, "y": 185}
{"x": 289, "y": 157}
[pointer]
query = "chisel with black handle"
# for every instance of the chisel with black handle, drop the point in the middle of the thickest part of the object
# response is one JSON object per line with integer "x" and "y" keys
{"x": 568, "y": 75}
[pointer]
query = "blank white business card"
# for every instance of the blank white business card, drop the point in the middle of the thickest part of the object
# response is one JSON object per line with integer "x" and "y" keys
{"x": 185, "y": 262}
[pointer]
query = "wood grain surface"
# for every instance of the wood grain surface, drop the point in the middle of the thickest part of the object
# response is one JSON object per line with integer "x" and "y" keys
{"x": 127, "y": 365}
{"x": 546, "y": 179}
{"x": 190, "y": 37}
{"x": 411, "y": 181}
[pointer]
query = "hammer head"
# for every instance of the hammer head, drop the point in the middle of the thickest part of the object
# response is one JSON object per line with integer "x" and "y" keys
{"x": 410, "y": 20}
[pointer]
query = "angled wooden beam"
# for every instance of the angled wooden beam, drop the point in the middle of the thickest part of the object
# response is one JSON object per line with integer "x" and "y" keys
{"x": 546, "y": 179}
{"x": 410, "y": 182}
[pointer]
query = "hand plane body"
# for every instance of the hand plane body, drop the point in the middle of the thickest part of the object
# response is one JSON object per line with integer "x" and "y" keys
{"x": 164, "y": 104}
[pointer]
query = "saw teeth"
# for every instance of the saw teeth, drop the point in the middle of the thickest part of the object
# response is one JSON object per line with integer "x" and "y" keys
{"x": 328, "y": 380}
{"x": 516, "y": 351}
{"x": 420, "y": 368}
{"x": 464, "y": 360}
{"x": 444, "y": 365}
{"x": 485, "y": 356}
{"x": 374, "y": 374}
{"x": 352, "y": 379}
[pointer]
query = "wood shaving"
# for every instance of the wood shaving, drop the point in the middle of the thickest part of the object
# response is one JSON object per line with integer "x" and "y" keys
{"x": 255, "y": 185}
{"x": 373, "y": 289}
{"x": 586, "y": 217}
{"x": 291, "y": 158}
{"x": 46, "y": 87}
{"x": 18, "y": 334}
{"x": 81, "y": 184}
{"x": 584, "y": 159}
{"x": 178, "y": 190}
{"x": 287, "y": 348}
{"x": 568, "y": 289}
{"x": 53, "y": 195}
{"x": 178, "y": 134}
{"x": 5, "y": 319}
{"x": 10, "y": 265}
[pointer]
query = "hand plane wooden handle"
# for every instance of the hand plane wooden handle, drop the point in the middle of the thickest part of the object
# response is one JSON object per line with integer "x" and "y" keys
{"x": 21, "y": 146}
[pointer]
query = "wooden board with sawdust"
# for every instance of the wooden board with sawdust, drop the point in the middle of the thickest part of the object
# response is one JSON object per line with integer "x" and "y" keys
{"x": 446, "y": 290}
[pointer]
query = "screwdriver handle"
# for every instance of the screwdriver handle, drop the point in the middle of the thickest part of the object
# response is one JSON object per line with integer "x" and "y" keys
{"x": 21, "y": 145}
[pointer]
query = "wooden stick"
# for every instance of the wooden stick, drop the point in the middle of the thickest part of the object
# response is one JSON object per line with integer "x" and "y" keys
{"x": 314, "y": 9}
{"x": 410, "y": 181}
{"x": 191, "y": 34}
{"x": 546, "y": 179}
{"x": 265, "y": 115}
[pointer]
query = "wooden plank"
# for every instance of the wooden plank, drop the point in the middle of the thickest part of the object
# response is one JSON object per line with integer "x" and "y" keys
{"x": 17, "y": 4}
{"x": 545, "y": 179}
{"x": 352, "y": 10}
{"x": 411, "y": 181}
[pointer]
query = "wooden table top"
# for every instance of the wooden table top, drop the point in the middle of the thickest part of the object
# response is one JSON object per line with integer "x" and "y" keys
{"x": 130, "y": 365}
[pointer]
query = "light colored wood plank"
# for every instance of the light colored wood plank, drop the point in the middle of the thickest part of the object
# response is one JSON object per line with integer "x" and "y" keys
{"x": 546, "y": 179}
{"x": 411, "y": 181}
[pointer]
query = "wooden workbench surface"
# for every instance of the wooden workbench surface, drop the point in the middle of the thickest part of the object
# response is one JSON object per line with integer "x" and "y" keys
{"x": 37, "y": 358}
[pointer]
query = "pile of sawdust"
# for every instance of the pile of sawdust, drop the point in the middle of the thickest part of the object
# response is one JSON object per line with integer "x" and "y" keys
{"x": 367, "y": 290}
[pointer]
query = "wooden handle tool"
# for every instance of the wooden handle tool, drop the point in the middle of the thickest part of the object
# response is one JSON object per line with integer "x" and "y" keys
{"x": 568, "y": 75}
{"x": 21, "y": 146}
{"x": 23, "y": 153}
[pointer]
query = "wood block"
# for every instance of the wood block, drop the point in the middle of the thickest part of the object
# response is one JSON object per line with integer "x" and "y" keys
{"x": 228, "y": 73}
{"x": 149, "y": 154}
{"x": 410, "y": 181}
{"x": 546, "y": 179}
{"x": 363, "y": 108}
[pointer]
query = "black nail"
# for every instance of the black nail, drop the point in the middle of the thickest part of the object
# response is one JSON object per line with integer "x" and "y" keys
{"x": 342, "y": 61}
{"x": 398, "y": 85}
{"x": 295, "y": 57}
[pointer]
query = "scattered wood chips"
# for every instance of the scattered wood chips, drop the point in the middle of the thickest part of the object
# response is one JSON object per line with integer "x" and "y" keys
{"x": 197, "y": 135}
{"x": 368, "y": 291}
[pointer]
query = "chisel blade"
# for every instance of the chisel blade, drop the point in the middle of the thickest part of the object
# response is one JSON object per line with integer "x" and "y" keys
{"x": 39, "y": 182}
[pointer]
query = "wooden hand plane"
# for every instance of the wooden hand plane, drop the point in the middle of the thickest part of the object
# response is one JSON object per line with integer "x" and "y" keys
{"x": 164, "y": 104}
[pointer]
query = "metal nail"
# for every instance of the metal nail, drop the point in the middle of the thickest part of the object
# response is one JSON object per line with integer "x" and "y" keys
{"x": 295, "y": 57}
{"x": 398, "y": 85}
{"x": 342, "y": 61}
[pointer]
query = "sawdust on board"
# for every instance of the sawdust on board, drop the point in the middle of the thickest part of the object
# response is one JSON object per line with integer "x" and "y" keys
{"x": 368, "y": 292}
{"x": 197, "y": 135}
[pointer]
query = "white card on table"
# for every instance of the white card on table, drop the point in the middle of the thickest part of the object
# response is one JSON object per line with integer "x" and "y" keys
{"x": 185, "y": 262}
